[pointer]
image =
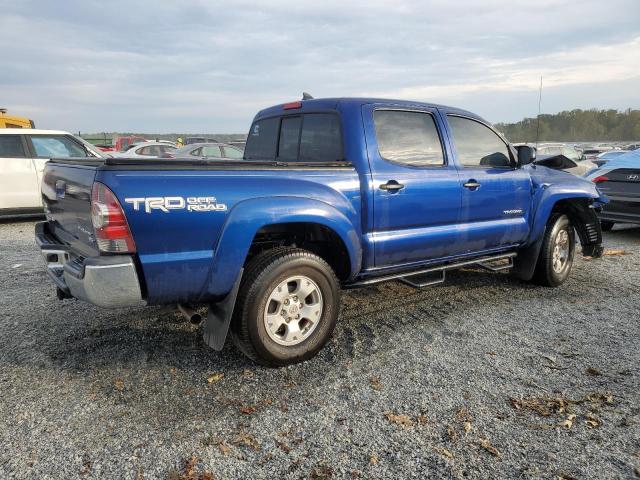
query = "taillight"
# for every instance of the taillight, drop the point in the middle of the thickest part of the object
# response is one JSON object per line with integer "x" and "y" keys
{"x": 109, "y": 222}
{"x": 600, "y": 179}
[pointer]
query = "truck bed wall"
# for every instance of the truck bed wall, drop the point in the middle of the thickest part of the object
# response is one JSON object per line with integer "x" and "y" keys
{"x": 195, "y": 256}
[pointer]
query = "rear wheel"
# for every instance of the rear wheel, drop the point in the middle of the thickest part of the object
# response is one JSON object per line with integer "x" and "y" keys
{"x": 556, "y": 255}
{"x": 287, "y": 307}
{"x": 606, "y": 226}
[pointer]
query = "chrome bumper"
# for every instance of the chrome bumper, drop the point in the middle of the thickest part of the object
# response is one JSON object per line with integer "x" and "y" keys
{"x": 109, "y": 282}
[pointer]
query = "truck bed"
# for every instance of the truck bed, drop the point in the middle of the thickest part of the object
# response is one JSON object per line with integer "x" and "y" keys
{"x": 185, "y": 241}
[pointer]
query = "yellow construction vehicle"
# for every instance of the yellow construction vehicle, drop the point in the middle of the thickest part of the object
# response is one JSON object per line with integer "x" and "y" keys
{"x": 11, "y": 121}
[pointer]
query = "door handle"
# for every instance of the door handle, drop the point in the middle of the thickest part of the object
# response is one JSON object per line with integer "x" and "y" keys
{"x": 472, "y": 185}
{"x": 392, "y": 186}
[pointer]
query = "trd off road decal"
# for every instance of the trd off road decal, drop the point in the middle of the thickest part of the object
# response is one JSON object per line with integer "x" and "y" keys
{"x": 164, "y": 204}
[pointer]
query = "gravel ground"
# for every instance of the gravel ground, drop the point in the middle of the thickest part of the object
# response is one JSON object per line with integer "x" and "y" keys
{"x": 483, "y": 377}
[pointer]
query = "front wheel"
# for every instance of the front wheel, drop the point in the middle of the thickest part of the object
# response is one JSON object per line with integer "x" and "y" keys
{"x": 287, "y": 307}
{"x": 557, "y": 252}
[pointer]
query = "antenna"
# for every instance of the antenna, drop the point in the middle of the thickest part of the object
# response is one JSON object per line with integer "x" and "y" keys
{"x": 306, "y": 96}
{"x": 539, "y": 105}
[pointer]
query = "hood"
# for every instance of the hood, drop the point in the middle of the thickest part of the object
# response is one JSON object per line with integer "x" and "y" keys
{"x": 558, "y": 162}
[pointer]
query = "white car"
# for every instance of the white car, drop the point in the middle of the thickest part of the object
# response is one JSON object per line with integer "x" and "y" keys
{"x": 580, "y": 167}
{"x": 147, "y": 150}
{"x": 23, "y": 153}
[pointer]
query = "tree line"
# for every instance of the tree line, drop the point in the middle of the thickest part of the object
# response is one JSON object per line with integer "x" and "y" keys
{"x": 576, "y": 126}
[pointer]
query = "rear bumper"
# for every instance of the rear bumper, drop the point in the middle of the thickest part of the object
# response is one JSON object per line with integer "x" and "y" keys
{"x": 619, "y": 217}
{"x": 109, "y": 282}
{"x": 621, "y": 210}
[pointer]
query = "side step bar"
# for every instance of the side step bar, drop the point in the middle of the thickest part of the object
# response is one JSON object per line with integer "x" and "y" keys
{"x": 426, "y": 283}
{"x": 494, "y": 263}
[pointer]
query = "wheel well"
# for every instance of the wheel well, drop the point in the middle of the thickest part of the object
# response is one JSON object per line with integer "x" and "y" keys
{"x": 313, "y": 237}
{"x": 582, "y": 218}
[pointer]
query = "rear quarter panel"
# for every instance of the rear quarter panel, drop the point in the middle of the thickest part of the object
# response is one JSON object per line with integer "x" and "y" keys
{"x": 188, "y": 256}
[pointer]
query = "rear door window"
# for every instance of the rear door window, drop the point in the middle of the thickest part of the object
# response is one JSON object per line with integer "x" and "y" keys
{"x": 408, "y": 138}
{"x": 11, "y": 147}
{"x": 144, "y": 151}
{"x": 230, "y": 152}
{"x": 57, "y": 146}
{"x": 167, "y": 148}
{"x": 263, "y": 140}
{"x": 211, "y": 151}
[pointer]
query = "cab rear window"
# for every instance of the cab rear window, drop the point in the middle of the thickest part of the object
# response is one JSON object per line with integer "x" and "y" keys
{"x": 262, "y": 141}
{"x": 310, "y": 137}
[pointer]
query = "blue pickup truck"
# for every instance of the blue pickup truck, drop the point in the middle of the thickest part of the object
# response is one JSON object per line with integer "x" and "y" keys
{"x": 331, "y": 193}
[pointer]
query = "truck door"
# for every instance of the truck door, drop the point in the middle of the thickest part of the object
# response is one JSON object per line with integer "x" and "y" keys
{"x": 416, "y": 190}
{"x": 19, "y": 187}
{"x": 496, "y": 196}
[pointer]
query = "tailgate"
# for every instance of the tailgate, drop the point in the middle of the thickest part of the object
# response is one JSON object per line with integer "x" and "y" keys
{"x": 66, "y": 194}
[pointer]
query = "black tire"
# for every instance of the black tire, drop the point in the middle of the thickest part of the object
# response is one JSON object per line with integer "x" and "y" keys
{"x": 262, "y": 276}
{"x": 606, "y": 226}
{"x": 545, "y": 273}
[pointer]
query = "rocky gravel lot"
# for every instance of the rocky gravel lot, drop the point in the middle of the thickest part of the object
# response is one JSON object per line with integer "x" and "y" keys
{"x": 483, "y": 377}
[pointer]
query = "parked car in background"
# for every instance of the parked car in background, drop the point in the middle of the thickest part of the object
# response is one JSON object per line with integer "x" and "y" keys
{"x": 105, "y": 147}
{"x": 560, "y": 162}
{"x": 23, "y": 154}
{"x": 607, "y": 146}
{"x": 121, "y": 144}
{"x": 192, "y": 140}
{"x": 12, "y": 121}
{"x": 632, "y": 146}
{"x": 572, "y": 161}
{"x": 604, "y": 157}
{"x": 619, "y": 180}
{"x": 238, "y": 143}
{"x": 591, "y": 152}
{"x": 147, "y": 150}
{"x": 558, "y": 149}
{"x": 206, "y": 150}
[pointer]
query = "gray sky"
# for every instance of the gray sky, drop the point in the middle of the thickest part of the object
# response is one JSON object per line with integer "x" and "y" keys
{"x": 204, "y": 66}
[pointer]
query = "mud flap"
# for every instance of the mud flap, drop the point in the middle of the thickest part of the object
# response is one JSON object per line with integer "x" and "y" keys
{"x": 524, "y": 265}
{"x": 218, "y": 320}
{"x": 589, "y": 231}
{"x": 595, "y": 251}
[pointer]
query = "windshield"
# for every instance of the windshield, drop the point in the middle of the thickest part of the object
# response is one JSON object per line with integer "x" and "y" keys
{"x": 96, "y": 152}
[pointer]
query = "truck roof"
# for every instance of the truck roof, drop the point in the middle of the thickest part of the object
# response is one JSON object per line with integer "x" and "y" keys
{"x": 332, "y": 104}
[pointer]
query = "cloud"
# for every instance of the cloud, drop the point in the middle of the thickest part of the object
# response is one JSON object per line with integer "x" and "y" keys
{"x": 201, "y": 66}
{"x": 576, "y": 66}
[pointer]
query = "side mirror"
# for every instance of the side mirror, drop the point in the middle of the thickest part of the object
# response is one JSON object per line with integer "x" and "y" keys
{"x": 526, "y": 154}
